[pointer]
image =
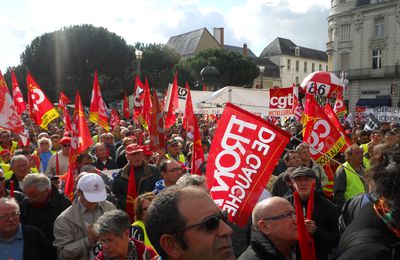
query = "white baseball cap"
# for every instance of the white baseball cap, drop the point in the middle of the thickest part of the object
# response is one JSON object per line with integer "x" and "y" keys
{"x": 92, "y": 186}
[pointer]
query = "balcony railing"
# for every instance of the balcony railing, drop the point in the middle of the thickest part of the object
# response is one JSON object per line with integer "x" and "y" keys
{"x": 369, "y": 73}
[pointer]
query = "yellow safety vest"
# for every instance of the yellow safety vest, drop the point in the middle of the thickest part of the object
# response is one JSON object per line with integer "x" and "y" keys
{"x": 181, "y": 157}
{"x": 354, "y": 184}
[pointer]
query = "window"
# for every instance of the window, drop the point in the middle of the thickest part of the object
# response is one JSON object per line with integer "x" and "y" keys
{"x": 377, "y": 59}
{"x": 297, "y": 51}
{"x": 288, "y": 65}
{"x": 297, "y": 65}
{"x": 379, "y": 26}
{"x": 344, "y": 61}
{"x": 305, "y": 67}
{"x": 320, "y": 67}
{"x": 312, "y": 67}
{"x": 345, "y": 32}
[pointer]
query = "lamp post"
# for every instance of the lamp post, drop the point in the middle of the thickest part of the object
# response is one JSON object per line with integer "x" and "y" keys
{"x": 139, "y": 55}
{"x": 261, "y": 69}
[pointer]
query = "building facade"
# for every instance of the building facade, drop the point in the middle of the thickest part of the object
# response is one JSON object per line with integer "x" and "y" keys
{"x": 295, "y": 62}
{"x": 364, "y": 48}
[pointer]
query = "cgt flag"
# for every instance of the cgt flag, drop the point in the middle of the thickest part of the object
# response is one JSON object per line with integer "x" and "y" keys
{"x": 125, "y": 107}
{"x": 324, "y": 139}
{"x": 41, "y": 109}
{"x": 243, "y": 154}
{"x": 18, "y": 99}
{"x": 98, "y": 108}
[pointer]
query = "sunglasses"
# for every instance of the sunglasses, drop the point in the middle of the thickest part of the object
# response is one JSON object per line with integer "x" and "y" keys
{"x": 290, "y": 214}
{"x": 211, "y": 223}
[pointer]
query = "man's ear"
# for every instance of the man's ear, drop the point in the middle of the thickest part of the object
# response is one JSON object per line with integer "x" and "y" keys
{"x": 264, "y": 227}
{"x": 171, "y": 246}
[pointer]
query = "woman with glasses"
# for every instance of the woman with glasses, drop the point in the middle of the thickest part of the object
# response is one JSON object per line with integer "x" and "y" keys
{"x": 44, "y": 152}
{"x": 138, "y": 229}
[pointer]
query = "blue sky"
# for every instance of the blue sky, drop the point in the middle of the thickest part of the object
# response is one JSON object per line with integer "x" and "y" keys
{"x": 256, "y": 22}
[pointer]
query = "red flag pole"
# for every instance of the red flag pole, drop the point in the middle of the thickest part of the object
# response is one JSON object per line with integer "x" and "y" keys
{"x": 310, "y": 206}
{"x": 12, "y": 189}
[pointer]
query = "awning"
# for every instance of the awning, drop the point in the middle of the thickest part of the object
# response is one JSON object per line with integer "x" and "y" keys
{"x": 376, "y": 102}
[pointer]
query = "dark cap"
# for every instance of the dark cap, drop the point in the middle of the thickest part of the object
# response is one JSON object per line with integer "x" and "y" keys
{"x": 302, "y": 172}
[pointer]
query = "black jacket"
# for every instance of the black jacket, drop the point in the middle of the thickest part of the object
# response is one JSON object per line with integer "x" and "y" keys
{"x": 146, "y": 177}
{"x": 110, "y": 164}
{"x": 326, "y": 236}
{"x": 261, "y": 248}
{"x": 377, "y": 247}
{"x": 43, "y": 218}
{"x": 36, "y": 246}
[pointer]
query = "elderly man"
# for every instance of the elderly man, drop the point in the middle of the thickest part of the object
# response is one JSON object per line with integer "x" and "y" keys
{"x": 103, "y": 162}
{"x": 175, "y": 151}
{"x": 19, "y": 241}
{"x": 7, "y": 142}
{"x": 58, "y": 162}
{"x": 42, "y": 205}
{"x": 324, "y": 223}
{"x": 171, "y": 171}
{"x": 75, "y": 237}
{"x": 19, "y": 196}
{"x": 306, "y": 160}
{"x": 282, "y": 185}
{"x": 113, "y": 228}
{"x": 146, "y": 175}
{"x": 275, "y": 231}
{"x": 177, "y": 231}
{"x": 350, "y": 176}
{"x": 19, "y": 165}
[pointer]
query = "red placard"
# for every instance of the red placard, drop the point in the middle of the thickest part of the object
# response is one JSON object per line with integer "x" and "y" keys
{"x": 244, "y": 152}
{"x": 281, "y": 101}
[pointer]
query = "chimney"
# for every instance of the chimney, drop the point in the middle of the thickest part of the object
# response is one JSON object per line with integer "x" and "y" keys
{"x": 218, "y": 34}
{"x": 245, "y": 50}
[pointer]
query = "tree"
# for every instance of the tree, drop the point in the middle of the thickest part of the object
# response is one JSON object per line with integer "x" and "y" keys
{"x": 235, "y": 69}
{"x": 65, "y": 60}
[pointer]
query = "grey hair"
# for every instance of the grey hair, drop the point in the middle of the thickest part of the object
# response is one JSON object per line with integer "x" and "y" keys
{"x": 45, "y": 139}
{"x": 191, "y": 179}
{"x": 17, "y": 158}
{"x": 114, "y": 221}
{"x": 9, "y": 200}
{"x": 41, "y": 181}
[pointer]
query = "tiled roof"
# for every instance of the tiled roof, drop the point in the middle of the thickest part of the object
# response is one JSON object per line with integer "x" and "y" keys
{"x": 282, "y": 46}
{"x": 240, "y": 50}
{"x": 186, "y": 44}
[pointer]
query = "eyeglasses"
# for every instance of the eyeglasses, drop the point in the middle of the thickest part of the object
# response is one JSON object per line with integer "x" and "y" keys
{"x": 290, "y": 214}
{"x": 210, "y": 224}
{"x": 9, "y": 215}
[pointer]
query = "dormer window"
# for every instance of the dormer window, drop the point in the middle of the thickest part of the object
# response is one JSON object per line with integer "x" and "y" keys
{"x": 297, "y": 51}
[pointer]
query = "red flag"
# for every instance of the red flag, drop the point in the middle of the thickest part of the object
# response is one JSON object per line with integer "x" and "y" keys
{"x": 191, "y": 123}
{"x": 63, "y": 101}
{"x": 138, "y": 94}
{"x": 41, "y": 109}
{"x": 306, "y": 242}
{"x": 18, "y": 99}
{"x": 12, "y": 189}
{"x": 80, "y": 141}
{"x": 67, "y": 121}
{"x": 339, "y": 107}
{"x": 310, "y": 204}
{"x": 173, "y": 103}
{"x": 147, "y": 105}
{"x": 335, "y": 121}
{"x": 156, "y": 127}
{"x": 97, "y": 106}
{"x": 243, "y": 155}
{"x": 297, "y": 108}
{"x": 114, "y": 118}
{"x": 204, "y": 87}
{"x": 324, "y": 139}
{"x": 131, "y": 195}
{"x": 125, "y": 108}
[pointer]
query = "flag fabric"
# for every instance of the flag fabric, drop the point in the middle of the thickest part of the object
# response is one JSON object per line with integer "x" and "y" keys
{"x": 67, "y": 121}
{"x": 138, "y": 94}
{"x": 335, "y": 121}
{"x": 297, "y": 107}
{"x": 190, "y": 122}
{"x": 114, "y": 118}
{"x": 63, "y": 101}
{"x": 98, "y": 108}
{"x": 372, "y": 123}
{"x": 173, "y": 104}
{"x": 147, "y": 105}
{"x": 131, "y": 195}
{"x": 324, "y": 139}
{"x": 156, "y": 127}
{"x": 340, "y": 108}
{"x": 305, "y": 240}
{"x": 9, "y": 118}
{"x": 125, "y": 107}
{"x": 80, "y": 141}
{"x": 18, "y": 99}
{"x": 242, "y": 157}
{"x": 41, "y": 109}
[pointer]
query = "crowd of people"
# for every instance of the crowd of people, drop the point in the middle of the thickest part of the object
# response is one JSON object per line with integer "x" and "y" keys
{"x": 356, "y": 199}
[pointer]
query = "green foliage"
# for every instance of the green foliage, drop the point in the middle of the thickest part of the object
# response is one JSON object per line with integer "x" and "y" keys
{"x": 235, "y": 69}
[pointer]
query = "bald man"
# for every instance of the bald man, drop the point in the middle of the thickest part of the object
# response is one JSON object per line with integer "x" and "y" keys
{"x": 274, "y": 235}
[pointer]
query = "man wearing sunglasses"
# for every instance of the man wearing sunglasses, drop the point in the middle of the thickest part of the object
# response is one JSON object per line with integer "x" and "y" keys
{"x": 185, "y": 223}
{"x": 274, "y": 234}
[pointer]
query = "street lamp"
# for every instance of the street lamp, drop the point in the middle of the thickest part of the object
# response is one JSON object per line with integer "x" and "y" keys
{"x": 261, "y": 69}
{"x": 139, "y": 55}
